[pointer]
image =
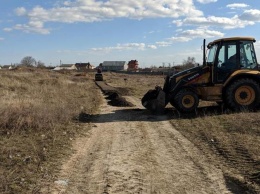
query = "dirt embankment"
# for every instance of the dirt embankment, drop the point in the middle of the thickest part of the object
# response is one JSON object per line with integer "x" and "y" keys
{"x": 128, "y": 150}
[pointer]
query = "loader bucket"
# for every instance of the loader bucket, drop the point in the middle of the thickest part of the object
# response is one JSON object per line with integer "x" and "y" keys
{"x": 154, "y": 100}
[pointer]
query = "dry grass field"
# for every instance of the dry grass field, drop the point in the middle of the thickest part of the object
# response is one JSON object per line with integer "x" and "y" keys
{"x": 39, "y": 112}
{"x": 39, "y": 118}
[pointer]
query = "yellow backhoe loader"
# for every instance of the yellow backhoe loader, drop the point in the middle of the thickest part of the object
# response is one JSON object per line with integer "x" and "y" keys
{"x": 229, "y": 74}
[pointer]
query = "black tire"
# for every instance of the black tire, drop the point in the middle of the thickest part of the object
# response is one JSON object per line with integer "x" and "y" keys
{"x": 243, "y": 94}
{"x": 186, "y": 101}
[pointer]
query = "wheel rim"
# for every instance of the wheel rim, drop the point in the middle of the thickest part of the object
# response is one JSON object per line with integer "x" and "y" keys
{"x": 245, "y": 95}
{"x": 188, "y": 101}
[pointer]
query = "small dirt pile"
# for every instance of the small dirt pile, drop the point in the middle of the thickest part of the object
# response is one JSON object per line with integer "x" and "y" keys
{"x": 117, "y": 100}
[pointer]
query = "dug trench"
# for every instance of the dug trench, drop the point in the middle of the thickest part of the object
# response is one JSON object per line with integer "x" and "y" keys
{"x": 113, "y": 96}
{"x": 130, "y": 151}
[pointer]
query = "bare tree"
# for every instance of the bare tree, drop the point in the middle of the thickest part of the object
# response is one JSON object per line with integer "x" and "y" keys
{"x": 189, "y": 63}
{"x": 28, "y": 61}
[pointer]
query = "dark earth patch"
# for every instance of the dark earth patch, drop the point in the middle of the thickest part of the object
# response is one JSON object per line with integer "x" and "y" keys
{"x": 117, "y": 100}
{"x": 114, "y": 95}
{"x": 238, "y": 187}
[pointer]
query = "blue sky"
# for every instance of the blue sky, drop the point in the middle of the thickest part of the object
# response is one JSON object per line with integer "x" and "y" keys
{"x": 154, "y": 32}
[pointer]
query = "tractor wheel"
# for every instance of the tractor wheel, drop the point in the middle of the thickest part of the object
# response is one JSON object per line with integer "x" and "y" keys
{"x": 186, "y": 101}
{"x": 243, "y": 94}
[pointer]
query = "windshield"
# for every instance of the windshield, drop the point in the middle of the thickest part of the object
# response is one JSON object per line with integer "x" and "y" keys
{"x": 247, "y": 54}
{"x": 211, "y": 53}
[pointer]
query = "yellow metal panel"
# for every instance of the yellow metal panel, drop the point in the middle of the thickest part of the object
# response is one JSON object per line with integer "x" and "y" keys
{"x": 244, "y": 71}
{"x": 211, "y": 92}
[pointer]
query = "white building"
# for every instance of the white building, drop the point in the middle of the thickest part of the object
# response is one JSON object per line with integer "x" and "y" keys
{"x": 114, "y": 66}
{"x": 66, "y": 67}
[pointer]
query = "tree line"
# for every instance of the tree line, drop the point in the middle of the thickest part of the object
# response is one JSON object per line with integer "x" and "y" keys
{"x": 29, "y": 61}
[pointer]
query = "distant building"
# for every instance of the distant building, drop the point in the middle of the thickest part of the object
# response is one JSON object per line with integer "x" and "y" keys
{"x": 66, "y": 67}
{"x": 114, "y": 66}
{"x": 7, "y": 67}
{"x": 77, "y": 66}
{"x": 132, "y": 65}
{"x": 83, "y": 66}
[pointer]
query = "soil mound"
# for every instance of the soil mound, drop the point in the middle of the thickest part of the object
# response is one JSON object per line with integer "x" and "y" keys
{"x": 118, "y": 100}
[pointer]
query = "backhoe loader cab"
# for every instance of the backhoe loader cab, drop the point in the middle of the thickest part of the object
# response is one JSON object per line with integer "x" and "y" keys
{"x": 231, "y": 54}
{"x": 229, "y": 74}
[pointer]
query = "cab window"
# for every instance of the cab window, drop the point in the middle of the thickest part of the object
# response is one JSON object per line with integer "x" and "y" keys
{"x": 227, "y": 61}
{"x": 227, "y": 58}
{"x": 212, "y": 53}
{"x": 247, "y": 55}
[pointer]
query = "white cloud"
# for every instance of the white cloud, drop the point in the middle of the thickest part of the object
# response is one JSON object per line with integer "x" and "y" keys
{"x": 20, "y": 11}
{"x": 180, "y": 39}
{"x": 188, "y": 35}
{"x": 170, "y": 41}
{"x": 152, "y": 46}
{"x": 1, "y": 39}
{"x": 207, "y": 1}
{"x": 139, "y": 46}
{"x": 93, "y": 10}
{"x": 201, "y": 33}
{"x": 31, "y": 28}
{"x": 163, "y": 43}
{"x": 223, "y": 22}
{"x": 122, "y": 47}
{"x": 252, "y": 15}
{"x": 67, "y": 3}
{"x": 7, "y": 29}
{"x": 237, "y": 5}
{"x": 35, "y": 24}
{"x": 178, "y": 22}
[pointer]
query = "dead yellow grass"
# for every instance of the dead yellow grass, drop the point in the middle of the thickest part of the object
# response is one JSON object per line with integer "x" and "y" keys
{"x": 38, "y": 119}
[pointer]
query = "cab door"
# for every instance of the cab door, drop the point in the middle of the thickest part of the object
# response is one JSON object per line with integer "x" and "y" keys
{"x": 227, "y": 61}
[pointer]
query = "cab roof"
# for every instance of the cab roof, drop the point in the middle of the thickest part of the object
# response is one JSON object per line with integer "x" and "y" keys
{"x": 232, "y": 39}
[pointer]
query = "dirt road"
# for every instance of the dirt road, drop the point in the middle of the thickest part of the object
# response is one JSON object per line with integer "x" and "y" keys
{"x": 128, "y": 150}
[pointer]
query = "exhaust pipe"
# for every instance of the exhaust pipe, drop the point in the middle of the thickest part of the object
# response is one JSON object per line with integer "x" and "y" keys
{"x": 204, "y": 52}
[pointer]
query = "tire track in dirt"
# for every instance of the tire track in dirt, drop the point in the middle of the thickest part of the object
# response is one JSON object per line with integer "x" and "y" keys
{"x": 130, "y": 151}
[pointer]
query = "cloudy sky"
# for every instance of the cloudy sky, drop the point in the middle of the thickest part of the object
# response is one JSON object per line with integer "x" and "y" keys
{"x": 154, "y": 32}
